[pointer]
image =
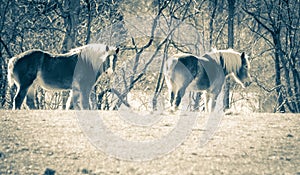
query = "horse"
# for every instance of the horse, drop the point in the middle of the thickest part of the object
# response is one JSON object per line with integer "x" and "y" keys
{"x": 206, "y": 73}
{"x": 77, "y": 70}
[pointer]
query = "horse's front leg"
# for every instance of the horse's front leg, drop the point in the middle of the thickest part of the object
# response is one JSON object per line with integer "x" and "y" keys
{"x": 30, "y": 98}
{"x": 208, "y": 107}
{"x": 66, "y": 103}
{"x": 85, "y": 99}
{"x": 85, "y": 90}
{"x": 172, "y": 96}
{"x": 217, "y": 105}
{"x": 76, "y": 96}
{"x": 213, "y": 102}
{"x": 70, "y": 101}
{"x": 81, "y": 94}
{"x": 75, "y": 104}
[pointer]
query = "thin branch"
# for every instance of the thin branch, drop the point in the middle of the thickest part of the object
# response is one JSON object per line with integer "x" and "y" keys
{"x": 261, "y": 35}
{"x": 281, "y": 105}
{"x": 120, "y": 96}
{"x": 45, "y": 28}
{"x": 3, "y": 15}
{"x": 259, "y": 84}
{"x": 220, "y": 31}
{"x": 6, "y": 48}
{"x": 256, "y": 17}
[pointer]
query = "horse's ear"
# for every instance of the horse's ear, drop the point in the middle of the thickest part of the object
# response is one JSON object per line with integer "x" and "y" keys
{"x": 243, "y": 55}
{"x": 107, "y": 48}
{"x": 117, "y": 50}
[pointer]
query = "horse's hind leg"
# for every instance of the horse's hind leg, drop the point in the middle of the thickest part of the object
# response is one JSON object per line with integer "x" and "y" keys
{"x": 24, "y": 83}
{"x": 179, "y": 96}
{"x": 19, "y": 98}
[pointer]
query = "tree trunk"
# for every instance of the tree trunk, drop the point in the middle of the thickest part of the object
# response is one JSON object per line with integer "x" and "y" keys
{"x": 231, "y": 4}
{"x": 278, "y": 75}
{"x": 211, "y": 22}
{"x": 296, "y": 87}
{"x": 3, "y": 81}
{"x": 71, "y": 16}
{"x": 88, "y": 32}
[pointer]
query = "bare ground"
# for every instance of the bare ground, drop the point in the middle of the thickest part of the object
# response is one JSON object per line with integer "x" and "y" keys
{"x": 41, "y": 142}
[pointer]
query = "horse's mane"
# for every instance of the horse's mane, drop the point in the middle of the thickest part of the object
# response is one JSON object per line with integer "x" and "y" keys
{"x": 95, "y": 54}
{"x": 231, "y": 59}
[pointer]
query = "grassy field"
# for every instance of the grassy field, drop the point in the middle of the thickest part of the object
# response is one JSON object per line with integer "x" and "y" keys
{"x": 52, "y": 142}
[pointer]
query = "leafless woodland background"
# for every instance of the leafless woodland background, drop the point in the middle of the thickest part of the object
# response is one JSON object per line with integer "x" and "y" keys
{"x": 268, "y": 31}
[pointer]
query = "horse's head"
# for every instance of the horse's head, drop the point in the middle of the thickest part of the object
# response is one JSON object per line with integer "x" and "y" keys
{"x": 110, "y": 61}
{"x": 243, "y": 73}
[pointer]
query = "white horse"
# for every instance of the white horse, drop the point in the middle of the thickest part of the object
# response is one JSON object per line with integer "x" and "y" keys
{"x": 205, "y": 73}
{"x": 77, "y": 70}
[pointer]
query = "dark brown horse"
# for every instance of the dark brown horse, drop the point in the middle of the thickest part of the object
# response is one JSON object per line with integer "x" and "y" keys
{"x": 77, "y": 70}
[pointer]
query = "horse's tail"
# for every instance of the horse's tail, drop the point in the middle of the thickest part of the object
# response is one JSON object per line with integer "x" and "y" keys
{"x": 170, "y": 64}
{"x": 10, "y": 72}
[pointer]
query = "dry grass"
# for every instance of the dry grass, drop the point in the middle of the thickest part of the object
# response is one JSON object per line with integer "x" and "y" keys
{"x": 35, "y": 142}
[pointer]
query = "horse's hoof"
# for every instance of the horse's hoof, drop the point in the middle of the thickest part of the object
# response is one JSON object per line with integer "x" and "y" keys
{"x": 171, "y": 111}
{"x": 228, "y": 112}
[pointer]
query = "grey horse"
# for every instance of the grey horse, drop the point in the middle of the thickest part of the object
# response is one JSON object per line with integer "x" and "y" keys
{"x": 205, "y": 73}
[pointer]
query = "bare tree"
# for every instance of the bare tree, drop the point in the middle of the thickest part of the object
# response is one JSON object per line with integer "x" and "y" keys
{"x": 57, "y": 26}
{"x": 52, "y": 25}
{"x": 279, "y": 19}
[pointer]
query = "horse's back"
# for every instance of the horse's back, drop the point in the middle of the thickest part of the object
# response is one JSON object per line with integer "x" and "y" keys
{"x": 200, "y": 73}
{"x": 181, "y": 70}
{"x": 30, "y": 57}
{"x": 196, "y": 72}
{"x": 182, "y": 64}
{"x": 49, "y": 70}
{"x": 57, "y": 71}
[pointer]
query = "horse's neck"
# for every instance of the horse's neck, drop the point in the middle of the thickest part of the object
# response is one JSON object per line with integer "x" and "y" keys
{"x": 228, "y": 72}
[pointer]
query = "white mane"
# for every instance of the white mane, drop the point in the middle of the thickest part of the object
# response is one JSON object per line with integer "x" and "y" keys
{"x": 94, "y": 54}
{"x": 232, "y": 59}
